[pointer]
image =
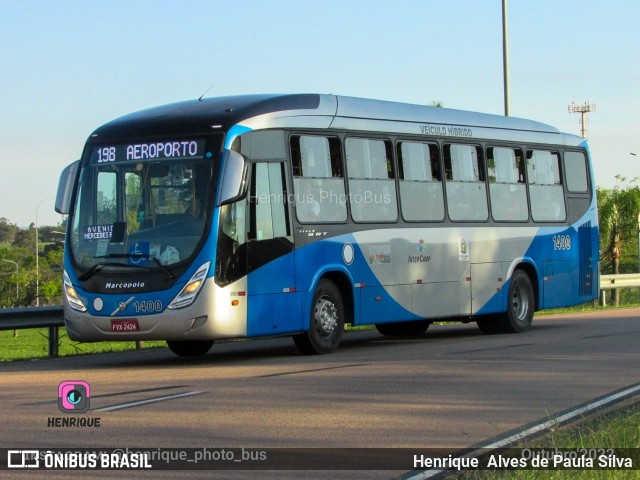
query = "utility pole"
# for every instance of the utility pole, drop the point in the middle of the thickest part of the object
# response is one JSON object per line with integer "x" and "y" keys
{"x": 582, "y": 110}
{"x": 38, "y": 256}
{"x": 505, "y": 57}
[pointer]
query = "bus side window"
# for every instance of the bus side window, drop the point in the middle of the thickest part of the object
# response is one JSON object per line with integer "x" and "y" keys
{"x": 372, "y": 188}
{"x": 507, "y": 189}
{"x": 575, "y": 169}
{"x": 318, "y": 180}
{"x": 545, "y": 186}
{"x": 466, "y": 188}
{"x": 420, "y": 181}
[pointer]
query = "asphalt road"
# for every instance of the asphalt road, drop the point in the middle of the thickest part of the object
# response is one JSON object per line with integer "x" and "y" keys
{"x": 453, "y": 387}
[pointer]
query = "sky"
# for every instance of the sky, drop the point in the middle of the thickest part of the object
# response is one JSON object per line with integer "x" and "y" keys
{"x": 68, "y": 67}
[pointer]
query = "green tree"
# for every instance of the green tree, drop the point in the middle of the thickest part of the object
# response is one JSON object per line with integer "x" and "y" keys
{"x": 7, "y": 231}
{"x": 25, "y": 238}
{"x": 18, "y": 289}
{"x": 618, "y": 210}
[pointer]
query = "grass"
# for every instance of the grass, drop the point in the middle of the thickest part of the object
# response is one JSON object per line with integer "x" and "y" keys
{"x": 629, "y": 297}
{"x": 618, "y": 429}
{"x": 34, "y": 343}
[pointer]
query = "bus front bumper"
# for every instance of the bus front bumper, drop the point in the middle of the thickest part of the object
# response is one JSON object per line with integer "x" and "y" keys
{"x": 216, "y": 313}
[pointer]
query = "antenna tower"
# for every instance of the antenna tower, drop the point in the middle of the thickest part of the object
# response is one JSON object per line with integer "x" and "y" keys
{"x": 582, "y": 110}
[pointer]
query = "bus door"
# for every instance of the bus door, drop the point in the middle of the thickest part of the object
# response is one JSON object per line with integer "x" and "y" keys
{"x": 274, "y": 305}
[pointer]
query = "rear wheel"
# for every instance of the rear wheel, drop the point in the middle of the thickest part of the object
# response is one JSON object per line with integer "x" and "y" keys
{"x": 417, "y": 327}
{"x": 520, "y": 308}
{"x": 190, "y": 348}
{"x": 327, "y": 321}
{"x": 521, "y": 304}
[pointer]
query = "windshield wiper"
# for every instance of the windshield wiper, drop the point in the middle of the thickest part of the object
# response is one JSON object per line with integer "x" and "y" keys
{"x": 141, "y": 256}
{"x": 98, "y": 266}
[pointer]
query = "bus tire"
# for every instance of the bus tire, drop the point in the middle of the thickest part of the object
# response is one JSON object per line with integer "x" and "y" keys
{"x": 193, "y": 348}
{"x": 520, "y": 308}
{"x": 412, "y": 328}
{"x": 326, "y": 323}
{"x": 520, "y": 304}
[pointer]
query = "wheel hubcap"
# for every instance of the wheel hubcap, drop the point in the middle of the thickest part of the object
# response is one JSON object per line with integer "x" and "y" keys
{"x": 326, "y": 316}
{"x": 520, "y": 304}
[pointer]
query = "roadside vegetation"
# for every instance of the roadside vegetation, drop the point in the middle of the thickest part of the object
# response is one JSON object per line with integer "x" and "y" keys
{"x": 34, "y": 344}
{"x": 618, "y": 429}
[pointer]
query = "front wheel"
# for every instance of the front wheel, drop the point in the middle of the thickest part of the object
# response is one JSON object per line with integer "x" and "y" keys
{"x": 193, "y": 348}
{"x": 327, "y": 321}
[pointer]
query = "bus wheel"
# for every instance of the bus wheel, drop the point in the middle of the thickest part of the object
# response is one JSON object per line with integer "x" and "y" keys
{"x": 520, "y": 307}
{"x": 403, "y": 328}
{"x": 192, "y": 348}
{"x": 521, "y": 304}
{"x": 327, "y": 321}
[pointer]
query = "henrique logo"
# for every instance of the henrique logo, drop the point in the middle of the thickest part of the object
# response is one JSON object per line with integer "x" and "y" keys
{"x": 110, "y": 285}
{"x": 73, "y": 396}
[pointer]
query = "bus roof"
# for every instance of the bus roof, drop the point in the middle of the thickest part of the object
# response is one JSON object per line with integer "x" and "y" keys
{"x": 321, "y": 111}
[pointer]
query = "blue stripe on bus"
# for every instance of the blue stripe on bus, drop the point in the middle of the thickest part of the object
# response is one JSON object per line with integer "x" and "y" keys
{"x": 566, "y": 276}
{"x": 234, "y": 132}
{"x": 372, "y": 303}
{"x": 291, "y": 312}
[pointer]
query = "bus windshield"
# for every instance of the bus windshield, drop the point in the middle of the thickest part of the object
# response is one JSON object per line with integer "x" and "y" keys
{"x": 141, "y": 207}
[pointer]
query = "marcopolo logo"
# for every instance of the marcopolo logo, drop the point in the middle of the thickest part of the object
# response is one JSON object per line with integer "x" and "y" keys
{"x": 112, "y": 286}
{"x": 74, "y": 396}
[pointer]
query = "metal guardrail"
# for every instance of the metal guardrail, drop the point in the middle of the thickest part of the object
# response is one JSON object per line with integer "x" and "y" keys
{"x": 611, "y": 282}
{"x": 53, "y": 317}
{"x": 35, "y": 317}
{"x": 628, "y": 280}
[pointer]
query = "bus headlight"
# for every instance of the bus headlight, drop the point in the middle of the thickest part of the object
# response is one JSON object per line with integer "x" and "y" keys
{"x": 190, "y": 291}
{"x": 71, "y": 294}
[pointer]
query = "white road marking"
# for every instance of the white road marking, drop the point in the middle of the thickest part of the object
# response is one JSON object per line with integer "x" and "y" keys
{"x": 147, "y": 401}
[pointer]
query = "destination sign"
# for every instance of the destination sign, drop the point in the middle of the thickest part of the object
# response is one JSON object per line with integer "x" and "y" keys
{"x": 159, "y": 150}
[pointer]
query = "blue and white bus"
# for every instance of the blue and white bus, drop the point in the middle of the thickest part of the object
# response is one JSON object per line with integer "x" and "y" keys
{"x": 265, "y": 215}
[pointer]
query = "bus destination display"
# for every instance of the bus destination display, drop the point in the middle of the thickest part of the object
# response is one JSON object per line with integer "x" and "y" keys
{"x": 161, "y": 150}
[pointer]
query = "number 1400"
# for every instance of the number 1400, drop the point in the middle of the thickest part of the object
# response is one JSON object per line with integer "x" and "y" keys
{"x": 561, "y": 242}
{"x": 148, "y": 306}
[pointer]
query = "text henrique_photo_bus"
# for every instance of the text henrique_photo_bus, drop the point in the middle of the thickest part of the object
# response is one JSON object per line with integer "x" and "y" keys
{"x": 269, "y": 215}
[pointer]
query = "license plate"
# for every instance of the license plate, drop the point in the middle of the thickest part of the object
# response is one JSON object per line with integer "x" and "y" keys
{"x": 125, "y": 325}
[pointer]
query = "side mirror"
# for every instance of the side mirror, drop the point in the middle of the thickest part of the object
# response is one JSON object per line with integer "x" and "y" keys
{"x": 234, "y": 178}
{"x": 65, "y": 188}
